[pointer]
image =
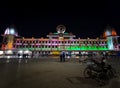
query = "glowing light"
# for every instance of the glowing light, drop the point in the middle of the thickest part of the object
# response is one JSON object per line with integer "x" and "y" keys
{"x": 10, "y": 45}
{"x": 108, "y": 33}
{"x": 7, "y": 31}
{"x": 110, "y": 43}
{"x": 114, "y": 33}
{"x": 87, "y": 48}
{"x": 8, "y": 59}
{"x": 55, "y": 52}
{"x": 1, "y": 52}
{"x": 20, "y": 51}
{"x": 55, "y": 33}
{"x": 71, "y": 48}
{"x": 12, "y": 31}
{"x": 9, "y": 52}
{"x": 26, "y": 52}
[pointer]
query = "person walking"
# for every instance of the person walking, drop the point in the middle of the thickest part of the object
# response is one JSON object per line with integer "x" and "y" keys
{"x": 61, "y": 57}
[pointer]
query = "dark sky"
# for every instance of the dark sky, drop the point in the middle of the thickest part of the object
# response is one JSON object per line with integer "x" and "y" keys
{"x": 37, "y": 19}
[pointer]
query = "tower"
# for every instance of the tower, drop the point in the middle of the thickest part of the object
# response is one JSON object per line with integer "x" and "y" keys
{"x": 112, "y": 38}
{"x": 8, "y": 38}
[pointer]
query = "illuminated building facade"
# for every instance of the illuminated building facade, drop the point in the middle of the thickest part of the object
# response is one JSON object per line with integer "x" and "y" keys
{"x": 60, "y": 41}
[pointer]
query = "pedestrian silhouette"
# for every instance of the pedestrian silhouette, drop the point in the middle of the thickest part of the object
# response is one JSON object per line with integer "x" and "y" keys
{"x": 62, "y": 56}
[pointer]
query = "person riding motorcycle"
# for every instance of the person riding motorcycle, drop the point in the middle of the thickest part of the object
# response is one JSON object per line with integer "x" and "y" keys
{"x": 101, "y": 71}
{"x": 98, "y": 65}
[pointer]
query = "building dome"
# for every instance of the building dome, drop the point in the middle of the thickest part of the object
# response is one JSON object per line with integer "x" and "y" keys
{"x": 114, "y": 32}
{"x": 109, "y": 32}
{"x": 10, "y": 31}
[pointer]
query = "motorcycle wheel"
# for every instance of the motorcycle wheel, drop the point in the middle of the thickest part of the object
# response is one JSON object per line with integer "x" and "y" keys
{"x": 103, "y": 79}
{"x": 112, "y": 73}
{"x": 87, "y": 73}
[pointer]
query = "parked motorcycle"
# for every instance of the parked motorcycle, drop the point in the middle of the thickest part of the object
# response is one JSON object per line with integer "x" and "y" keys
{"x": 101, "y": 72}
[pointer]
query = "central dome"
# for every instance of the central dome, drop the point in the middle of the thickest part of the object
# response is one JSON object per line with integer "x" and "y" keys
{"x": 61, "y": 28}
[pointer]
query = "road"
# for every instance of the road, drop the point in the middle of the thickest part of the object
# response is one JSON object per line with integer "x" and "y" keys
{"x": 48, "y": 73}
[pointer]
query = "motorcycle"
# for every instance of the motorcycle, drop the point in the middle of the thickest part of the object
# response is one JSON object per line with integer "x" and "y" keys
{"x": 101, "y": 72}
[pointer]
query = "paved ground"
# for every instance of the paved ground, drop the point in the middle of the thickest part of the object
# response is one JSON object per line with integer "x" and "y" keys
{"x": 48, "y": 73}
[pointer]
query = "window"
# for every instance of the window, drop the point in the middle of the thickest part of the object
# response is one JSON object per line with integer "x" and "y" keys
{"x": 14, "y": 46}
{"x": 19, "y": 41}
{"x": 83, "y": 42}
{"x": 88, "y": 42}
{"x": 56, "y": 42}
{"x": 23, "y": 41}
{"x": 36, "y": 41}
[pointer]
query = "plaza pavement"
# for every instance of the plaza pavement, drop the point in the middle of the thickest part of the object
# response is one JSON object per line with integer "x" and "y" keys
{"x": 48, "y": 72}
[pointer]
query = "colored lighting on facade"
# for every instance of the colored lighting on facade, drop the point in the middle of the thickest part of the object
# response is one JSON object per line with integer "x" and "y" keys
{"x": 57, "y": 42}
{"x": 70, "y": 48}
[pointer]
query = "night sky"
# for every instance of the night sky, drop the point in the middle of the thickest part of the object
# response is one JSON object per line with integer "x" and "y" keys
{"x": 37, "y": 19}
